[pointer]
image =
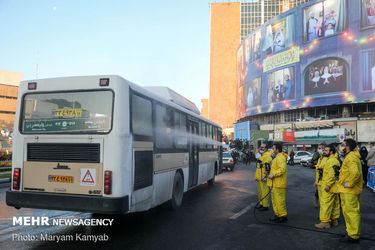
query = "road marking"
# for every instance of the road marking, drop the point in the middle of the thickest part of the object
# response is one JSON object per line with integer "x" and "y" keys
{"x": 243, "y": 211}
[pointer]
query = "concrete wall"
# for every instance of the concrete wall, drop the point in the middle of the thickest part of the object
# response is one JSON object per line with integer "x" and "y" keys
{"x": 224, "y": 41}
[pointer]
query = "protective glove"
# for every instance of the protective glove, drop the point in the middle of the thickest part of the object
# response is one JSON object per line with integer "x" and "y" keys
{"x": 345, "y": 184}
{"x": 326, "y": 188}
{"x": 270, "y": 176}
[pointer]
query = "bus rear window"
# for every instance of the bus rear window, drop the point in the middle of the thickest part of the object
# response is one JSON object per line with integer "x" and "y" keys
{"x": 67, "y": 112}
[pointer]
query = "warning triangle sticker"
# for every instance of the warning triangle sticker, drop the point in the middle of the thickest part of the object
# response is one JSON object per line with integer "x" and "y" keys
{"x": 88, "y": 177}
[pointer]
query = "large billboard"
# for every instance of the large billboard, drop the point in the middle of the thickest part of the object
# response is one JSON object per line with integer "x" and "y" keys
{"x": 317, "y": 54}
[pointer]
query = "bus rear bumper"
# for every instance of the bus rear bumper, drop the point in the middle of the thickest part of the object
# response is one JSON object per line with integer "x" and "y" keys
{"x": 80, "y": 203}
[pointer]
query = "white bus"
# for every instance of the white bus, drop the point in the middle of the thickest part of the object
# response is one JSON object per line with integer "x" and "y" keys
{"x": 102, "y": 144}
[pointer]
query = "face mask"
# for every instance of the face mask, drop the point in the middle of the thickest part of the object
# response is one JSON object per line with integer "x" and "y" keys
{"x": 320, "y": 151}
{"x": 261, "y": 151}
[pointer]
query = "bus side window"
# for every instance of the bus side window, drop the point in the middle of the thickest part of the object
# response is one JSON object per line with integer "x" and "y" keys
{"x": 209, "y": 136}
{"x": 164, "y": 126}
{"x": 215, "y": 137}
{"x": 180, "y": 131}
{"x": 203, "y": 135}
{"x": 141, "y": 114}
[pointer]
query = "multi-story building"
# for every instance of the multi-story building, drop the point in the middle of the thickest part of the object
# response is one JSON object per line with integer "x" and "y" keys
{"x": 308, "y": 75}
{"x": 230, "y": 23}
{"x": 9, "y": 82}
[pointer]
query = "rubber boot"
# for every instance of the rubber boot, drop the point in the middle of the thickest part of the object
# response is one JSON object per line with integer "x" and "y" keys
{"x": 323, "y": 225}
{"x": 334, "y": 223}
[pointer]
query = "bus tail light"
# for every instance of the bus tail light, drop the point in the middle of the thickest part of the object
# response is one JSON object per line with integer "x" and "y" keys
{"x": 16, "y": 178}
{"x": 31, "y": 86}
{"x": 231, "y": 160}
{"x": 104, "y": 82}
{"x": 107, "y": 182}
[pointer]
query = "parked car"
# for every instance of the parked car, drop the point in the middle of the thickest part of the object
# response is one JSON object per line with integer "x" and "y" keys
{"x": 300, "y": 155}
{"x": 306, "y": 162}
{"x": 228, "y": 162}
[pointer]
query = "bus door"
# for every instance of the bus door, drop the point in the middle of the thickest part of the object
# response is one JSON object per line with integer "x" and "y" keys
{"x": 193, "y": 153}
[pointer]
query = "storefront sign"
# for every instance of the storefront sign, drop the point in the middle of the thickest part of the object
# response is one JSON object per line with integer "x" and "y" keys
{"x": 278, "y": 136}
{"x": 242, "y": 130}
{"x": 350, "y": 129}
{"x": 288, "y": 136}
{"x": 281, "y": 59}
{"x": 336, "y": 134}
{"x": 366, "y": 131}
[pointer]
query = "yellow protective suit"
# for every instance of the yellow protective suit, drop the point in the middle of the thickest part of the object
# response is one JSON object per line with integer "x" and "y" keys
{"x": 329, "y": 201}
{"x": 321, "y": 162}
{"x": 351, "y": 174}
{"x": 278, "y": 184}
{"x": 262, "y": 185}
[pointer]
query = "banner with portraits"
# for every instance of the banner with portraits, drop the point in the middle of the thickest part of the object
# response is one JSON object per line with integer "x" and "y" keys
{"x": 367, "y": 13}
{"x": 253, "y": 94}
{"x": 324, "y": 19}
{"x": 325, "y": 76}
{"x": 279, "y": 35}
{"x": 252, "y": 47}
{"x": 368, "y": 70}
{"x": 281, "y": 85}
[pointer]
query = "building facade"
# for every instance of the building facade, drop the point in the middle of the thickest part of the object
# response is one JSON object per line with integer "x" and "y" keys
{"x": 9, "y": 82}
{"x": 308, "y": 75}
{"x": 230, "y": 23}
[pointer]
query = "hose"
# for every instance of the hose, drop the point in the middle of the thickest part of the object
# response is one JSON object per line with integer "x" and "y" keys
{"x": 295, "y": 227}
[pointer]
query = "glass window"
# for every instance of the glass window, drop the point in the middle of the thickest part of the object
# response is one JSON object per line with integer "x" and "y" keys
{"x": 203, "y": 134}
{"x": 209, "y": 136}
{"x": 180, "y": 131}
{"x": 78, "y": 111}
{"x": 141, "y": 116}
{"x": 163, "y": 127}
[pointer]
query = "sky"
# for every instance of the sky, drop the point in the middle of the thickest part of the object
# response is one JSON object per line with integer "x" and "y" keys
{"x": 151, "y": 43}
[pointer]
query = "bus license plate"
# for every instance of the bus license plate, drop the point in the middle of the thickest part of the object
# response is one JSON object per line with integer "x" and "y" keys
{"x": 60, "y": 178}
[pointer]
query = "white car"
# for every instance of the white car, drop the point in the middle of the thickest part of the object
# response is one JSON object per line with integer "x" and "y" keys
{"x": 300, "y": 155}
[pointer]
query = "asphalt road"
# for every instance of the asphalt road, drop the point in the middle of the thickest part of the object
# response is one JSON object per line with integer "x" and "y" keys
{"x": 217, "y": 217}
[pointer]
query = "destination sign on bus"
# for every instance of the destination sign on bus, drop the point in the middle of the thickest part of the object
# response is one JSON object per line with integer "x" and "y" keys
{"x": 67, "y": 112}
{"x": 71, "y": 124}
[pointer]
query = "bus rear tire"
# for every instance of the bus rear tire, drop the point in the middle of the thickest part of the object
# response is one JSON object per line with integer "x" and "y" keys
{"x": 177, "y": 191}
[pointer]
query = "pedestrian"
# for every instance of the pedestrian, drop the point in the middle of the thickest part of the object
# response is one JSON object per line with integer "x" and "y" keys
{"x": 370, "y": 160}
{"x": 291, "y": 159}
{"x": 319, "y": 173}
{"x": 260, "y": 177}
{"x": 329, "y": 199}
{"x": 277, "y": 180}
{"x": 350, "y": 189}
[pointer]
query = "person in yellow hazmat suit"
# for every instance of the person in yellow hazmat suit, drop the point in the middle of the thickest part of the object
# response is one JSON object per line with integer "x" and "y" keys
{"x": 350, "y": 186}
{"x": 319, "y": 173}
{"x": 260, "y": 177}
{"x": 329, "y": 199}
{"x": 277, "y": 180}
